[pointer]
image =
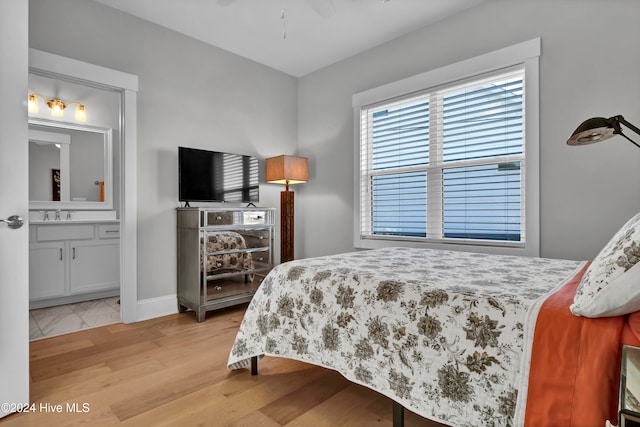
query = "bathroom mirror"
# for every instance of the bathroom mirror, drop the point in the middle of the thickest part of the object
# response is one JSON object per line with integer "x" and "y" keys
{"x": 70, "y": 166}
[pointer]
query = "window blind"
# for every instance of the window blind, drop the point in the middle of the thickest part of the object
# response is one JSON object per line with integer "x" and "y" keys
{"x": 446, "y": 163}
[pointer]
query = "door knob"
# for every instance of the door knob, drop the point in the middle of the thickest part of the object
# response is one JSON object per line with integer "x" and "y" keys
{"x": 14, "y": 221}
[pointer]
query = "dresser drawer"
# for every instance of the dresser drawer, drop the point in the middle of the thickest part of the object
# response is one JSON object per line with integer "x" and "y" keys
{"x": 255, "y": 217}
{"x": 46, "y": 233}
{"x": 219, "y": 218}
{"x": 261, "y": 259}
{"x": 257, "y": 238}
{"x": 109, "y": 231}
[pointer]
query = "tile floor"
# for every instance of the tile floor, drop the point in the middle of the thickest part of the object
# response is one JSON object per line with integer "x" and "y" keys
{"x": 62, "y": 319}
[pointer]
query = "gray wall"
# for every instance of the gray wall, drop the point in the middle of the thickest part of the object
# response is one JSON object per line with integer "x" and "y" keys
{"x": 190, "y": 94}
{"x": 588, "y": 67}
{"x": 196, "y": 95}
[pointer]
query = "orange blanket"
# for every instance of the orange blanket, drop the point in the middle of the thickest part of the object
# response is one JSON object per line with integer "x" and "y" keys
{"x": 575, "y": 364}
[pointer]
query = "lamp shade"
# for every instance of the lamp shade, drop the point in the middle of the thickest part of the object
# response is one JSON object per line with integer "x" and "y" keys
{"x": 592, "y": 130}
{"x": 287, "y": 169}
{"x": 57, "y": 107}
{"x": 33, "y": 104}
{"x": 81, "y": 113}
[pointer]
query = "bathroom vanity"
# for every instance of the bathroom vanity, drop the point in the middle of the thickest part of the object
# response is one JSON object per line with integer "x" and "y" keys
{"x": 72, "y": 261}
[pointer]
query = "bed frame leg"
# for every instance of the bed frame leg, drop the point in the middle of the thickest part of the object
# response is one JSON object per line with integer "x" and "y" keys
{"x": 398, "y": 414}
{"x": 254, "y": 365}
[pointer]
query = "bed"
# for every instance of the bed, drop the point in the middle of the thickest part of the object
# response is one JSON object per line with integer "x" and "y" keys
{"x": 459, "y": 338}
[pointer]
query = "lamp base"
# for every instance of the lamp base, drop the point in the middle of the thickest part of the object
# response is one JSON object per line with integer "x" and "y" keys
{"x": 286, "y": 226}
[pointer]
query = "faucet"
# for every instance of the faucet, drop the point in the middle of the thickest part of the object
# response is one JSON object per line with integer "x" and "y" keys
{"x": 57, "y": 214}
{"x": 46, "y": 216}
{"x": 68, "y": 215}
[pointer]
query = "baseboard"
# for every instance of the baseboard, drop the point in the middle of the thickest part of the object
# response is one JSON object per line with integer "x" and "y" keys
{"x": 151, "y": 308}
{"x": 71, "y": 299}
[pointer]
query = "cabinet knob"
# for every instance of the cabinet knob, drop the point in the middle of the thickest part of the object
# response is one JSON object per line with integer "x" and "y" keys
{"x": 218, "y": 264}
{"x": 218, "y": 218}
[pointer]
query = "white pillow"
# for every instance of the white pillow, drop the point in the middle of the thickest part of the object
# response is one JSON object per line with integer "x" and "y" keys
{"x": 611, "y": 284}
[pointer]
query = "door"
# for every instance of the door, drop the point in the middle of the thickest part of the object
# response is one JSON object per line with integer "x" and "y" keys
{"x": 14, "y": 243}
{"x": 94, "y": 266}
{"x": 46, "y": 270}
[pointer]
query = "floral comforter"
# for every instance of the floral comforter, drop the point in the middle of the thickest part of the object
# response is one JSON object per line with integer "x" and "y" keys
{"x": 443, "y": 333}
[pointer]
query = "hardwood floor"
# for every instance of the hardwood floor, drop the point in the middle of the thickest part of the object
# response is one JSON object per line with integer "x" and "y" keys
{"x": 172, "y": 371}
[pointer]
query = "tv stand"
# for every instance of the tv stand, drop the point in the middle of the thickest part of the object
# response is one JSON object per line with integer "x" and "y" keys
{"x": 228, "y": 268}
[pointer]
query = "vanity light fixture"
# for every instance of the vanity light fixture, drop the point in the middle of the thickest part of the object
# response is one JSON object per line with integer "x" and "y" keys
{"x": 57, "y": 106}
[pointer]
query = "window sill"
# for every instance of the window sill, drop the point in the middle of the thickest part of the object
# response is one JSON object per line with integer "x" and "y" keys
{"x": 483, "y": 246}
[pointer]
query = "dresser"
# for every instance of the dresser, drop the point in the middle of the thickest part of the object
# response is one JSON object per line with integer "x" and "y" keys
{"x": 223, "y": 256}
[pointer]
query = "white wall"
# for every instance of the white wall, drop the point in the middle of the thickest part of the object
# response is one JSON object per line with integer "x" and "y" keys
{"x": 189, "y": 94}
{"x": 589, "y": 67}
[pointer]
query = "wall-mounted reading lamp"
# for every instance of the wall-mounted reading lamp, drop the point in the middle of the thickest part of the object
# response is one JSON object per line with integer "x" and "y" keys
{"x": 57, "y": 106}
{"x": 598, "y": 129}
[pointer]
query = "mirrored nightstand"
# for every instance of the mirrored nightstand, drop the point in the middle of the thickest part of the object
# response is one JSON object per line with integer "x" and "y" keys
{"x": 630, "y": 387}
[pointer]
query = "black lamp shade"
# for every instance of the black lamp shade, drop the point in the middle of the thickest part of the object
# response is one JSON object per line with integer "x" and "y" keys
{"x": 592, "y": 130}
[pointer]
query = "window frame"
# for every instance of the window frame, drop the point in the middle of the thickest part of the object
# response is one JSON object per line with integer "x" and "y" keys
{"x": 525, "y": 54}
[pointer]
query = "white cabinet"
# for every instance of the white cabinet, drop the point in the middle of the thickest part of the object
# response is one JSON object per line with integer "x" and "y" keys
{"x": 73, "y": 262}
{"x": 94, "y": 266}
{"x": 46, "y": 270}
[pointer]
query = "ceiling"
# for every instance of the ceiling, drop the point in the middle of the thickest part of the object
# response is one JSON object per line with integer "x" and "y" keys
{"x": 293, "y": 36}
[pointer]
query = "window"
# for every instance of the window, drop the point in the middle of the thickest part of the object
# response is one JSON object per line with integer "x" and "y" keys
{"x": 448, "y": 163}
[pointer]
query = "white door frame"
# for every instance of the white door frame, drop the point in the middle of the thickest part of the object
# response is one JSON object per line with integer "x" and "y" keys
{"x": 14, "y": 190}
{"x": 56, "y": 66}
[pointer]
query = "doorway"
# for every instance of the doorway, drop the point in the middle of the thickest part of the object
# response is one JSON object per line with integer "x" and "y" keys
{"x": 74, "y": 202}
{"x": 126, "y": 85}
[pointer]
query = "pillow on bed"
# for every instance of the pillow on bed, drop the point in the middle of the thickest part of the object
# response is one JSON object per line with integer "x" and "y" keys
{"x": 611, "y": 284}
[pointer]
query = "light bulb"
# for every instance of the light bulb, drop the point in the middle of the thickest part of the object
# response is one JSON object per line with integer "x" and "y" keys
{"x": 57, "y": 107}
{"x": 81, "y": 113}
{"x": 33, "y": 104}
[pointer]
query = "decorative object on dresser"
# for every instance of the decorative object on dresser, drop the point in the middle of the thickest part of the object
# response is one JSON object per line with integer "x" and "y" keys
{"x": 223, "y": 256}
{"x": 598, "y": 129}
{"x": 287, "y": 170}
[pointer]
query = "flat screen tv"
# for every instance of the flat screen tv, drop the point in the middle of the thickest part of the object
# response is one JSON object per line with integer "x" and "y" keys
{"x": 212, "y": 176}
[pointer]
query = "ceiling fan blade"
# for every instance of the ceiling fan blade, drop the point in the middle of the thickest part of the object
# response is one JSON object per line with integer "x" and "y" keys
{"x": 324, "y": 8}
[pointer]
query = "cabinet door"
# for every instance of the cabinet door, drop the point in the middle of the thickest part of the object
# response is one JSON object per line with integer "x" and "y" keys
{"x": 94, "y": 265}
{"x": 46, "y": 270}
